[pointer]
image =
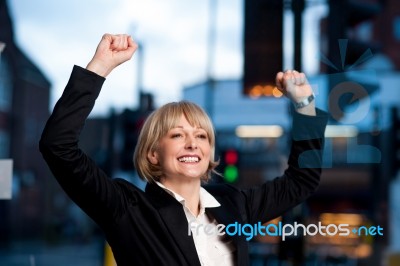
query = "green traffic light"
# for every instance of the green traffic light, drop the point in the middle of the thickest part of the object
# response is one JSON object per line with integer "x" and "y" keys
{"x": 231, "y": 174}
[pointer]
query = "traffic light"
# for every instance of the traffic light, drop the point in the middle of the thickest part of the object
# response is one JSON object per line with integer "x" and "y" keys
{"x": 230, "y": 165}
{"x": 132, "y": 122}
{"x": 351, "y": 20}
{"x": 263, "y": 51}
{"x": 348, "y": 47}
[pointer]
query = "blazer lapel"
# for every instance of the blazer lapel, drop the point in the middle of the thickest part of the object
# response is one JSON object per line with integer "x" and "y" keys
{"x": 172, "y": 214}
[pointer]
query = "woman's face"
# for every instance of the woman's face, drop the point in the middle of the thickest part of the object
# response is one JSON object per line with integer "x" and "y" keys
{"x": 184, "y": 152}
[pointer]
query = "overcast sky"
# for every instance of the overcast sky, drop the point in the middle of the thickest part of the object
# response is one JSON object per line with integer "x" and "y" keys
{"x": 58, "y": 34}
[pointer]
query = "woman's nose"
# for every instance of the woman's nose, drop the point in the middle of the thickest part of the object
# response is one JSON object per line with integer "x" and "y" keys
{"x": 191, "y": 143}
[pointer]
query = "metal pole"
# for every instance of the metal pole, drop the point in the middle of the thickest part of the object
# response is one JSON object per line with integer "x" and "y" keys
{"x": 298, "y": 8}
{"x": 211, "y": 37}
{"x": 209, "y": 104}
{"x": 139, "y": 82}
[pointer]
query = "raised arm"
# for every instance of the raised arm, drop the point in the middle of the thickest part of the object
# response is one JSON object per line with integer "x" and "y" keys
{"x": 85, "y": 183}
{"x": 301, "y": 178}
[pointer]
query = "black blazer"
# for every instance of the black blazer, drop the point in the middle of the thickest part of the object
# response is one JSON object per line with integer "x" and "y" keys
{"x": 150, "y": 227}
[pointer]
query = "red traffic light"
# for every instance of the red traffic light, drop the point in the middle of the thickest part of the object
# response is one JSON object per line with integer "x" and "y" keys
{"x": 231, "y": 157}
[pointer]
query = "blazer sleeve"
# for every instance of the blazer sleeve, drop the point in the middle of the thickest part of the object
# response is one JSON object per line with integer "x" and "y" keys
{"x": 299, "y": 180}
{"x": 84, "y": 182}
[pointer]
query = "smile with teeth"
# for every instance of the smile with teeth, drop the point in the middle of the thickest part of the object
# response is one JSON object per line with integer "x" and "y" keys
{"x": 189, "y": 159}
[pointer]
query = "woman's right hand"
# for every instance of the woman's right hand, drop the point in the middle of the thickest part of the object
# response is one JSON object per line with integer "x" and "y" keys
{"x": 112, "y": 51}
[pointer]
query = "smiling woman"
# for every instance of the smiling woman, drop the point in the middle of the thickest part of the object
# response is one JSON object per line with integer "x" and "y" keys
{"x": 175, "y": 155}
{"x": 187, "y": 125}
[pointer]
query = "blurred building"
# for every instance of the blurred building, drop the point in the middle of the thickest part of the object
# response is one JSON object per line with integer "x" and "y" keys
{"x": 386, "y": 30}
{"x": 366, "y": 24}
{"x": 24, "y": 101}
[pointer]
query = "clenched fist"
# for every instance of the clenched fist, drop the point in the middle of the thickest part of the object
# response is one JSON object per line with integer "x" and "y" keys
{"x": 295, "y": 86}
{"x": 112, "y": 51}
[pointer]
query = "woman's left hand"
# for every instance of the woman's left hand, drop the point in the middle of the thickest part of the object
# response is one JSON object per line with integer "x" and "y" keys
{"x": 295, "y": 86}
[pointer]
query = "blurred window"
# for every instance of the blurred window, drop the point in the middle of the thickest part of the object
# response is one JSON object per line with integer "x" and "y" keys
{"x": 396, "y": 28}
{"x": 5, "y": 85}
{"x": 4, "y": 144}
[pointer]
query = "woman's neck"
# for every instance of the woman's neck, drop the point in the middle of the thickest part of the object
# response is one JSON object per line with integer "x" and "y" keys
{"x": 189, "y": 190}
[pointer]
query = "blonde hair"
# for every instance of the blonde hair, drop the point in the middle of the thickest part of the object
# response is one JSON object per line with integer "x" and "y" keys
{"x": 157, "y": 126}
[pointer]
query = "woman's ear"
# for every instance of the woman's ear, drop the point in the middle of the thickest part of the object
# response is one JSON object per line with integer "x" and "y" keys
{"x": 152, "y": 157}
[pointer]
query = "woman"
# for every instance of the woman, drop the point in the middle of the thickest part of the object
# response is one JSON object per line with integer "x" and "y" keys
{"x": 175, "y": 152}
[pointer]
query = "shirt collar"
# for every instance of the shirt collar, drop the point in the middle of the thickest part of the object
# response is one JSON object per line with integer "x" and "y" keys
{"x": 206, "y": 199}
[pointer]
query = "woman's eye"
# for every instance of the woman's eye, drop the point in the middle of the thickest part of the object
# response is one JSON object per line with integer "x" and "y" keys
{"x": 202, "y": 136}
{"x": 177, "y": 135}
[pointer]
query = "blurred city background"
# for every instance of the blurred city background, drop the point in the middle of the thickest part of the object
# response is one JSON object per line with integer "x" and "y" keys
{"x": 222, "y": 55}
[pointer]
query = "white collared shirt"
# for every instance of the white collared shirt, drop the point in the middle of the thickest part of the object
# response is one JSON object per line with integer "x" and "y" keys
{"x": 212, "y": 249}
